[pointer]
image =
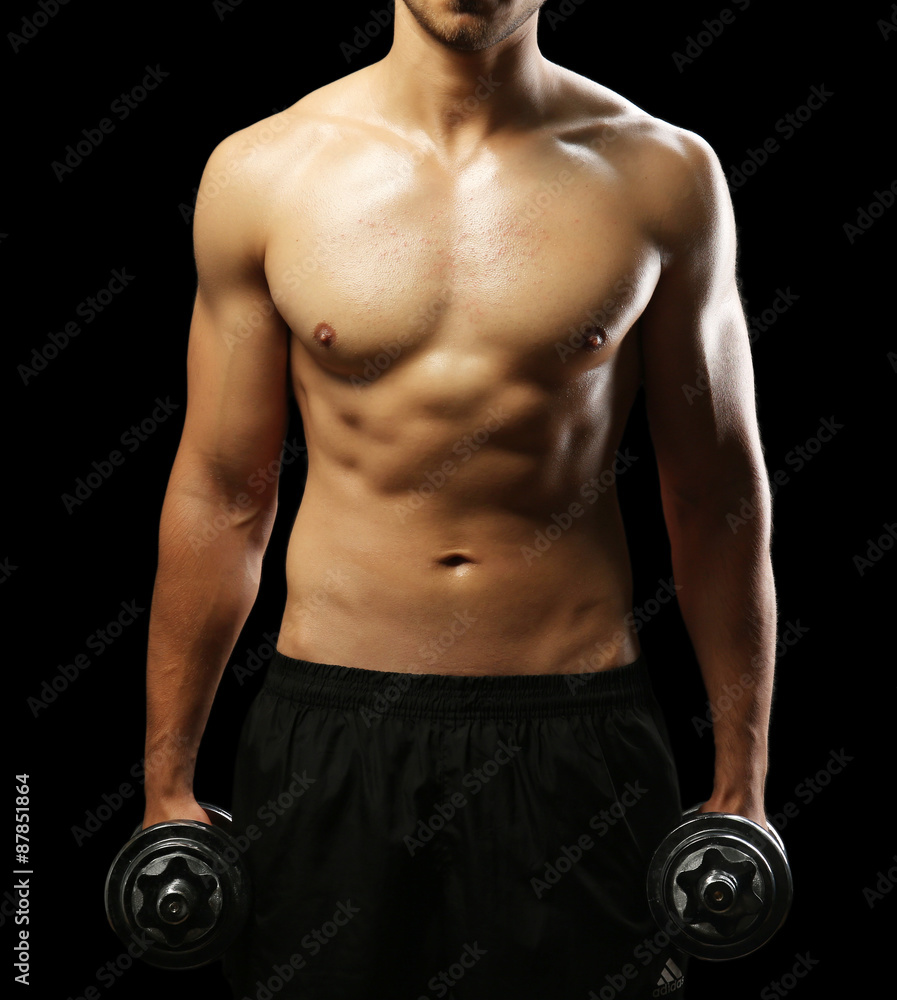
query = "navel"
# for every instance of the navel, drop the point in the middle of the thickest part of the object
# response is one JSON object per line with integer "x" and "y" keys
{"x": 324, "y": 334}
{"x": 454, "y": 560}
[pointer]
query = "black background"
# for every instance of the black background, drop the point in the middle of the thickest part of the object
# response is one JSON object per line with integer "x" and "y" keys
{"x": 127, "y": 207}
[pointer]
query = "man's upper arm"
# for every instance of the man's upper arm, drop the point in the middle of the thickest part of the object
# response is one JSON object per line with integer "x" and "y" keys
{"x": 698, "y": 374}
{"x": 237, "y": 359}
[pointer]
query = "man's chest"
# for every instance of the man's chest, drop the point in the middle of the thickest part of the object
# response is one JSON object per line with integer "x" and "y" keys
{"x": 540, "y": 260}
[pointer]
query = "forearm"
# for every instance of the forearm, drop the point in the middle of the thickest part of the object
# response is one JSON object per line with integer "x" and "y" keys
{"x": 728, "y": 604}
{"x": 203, "y": 593}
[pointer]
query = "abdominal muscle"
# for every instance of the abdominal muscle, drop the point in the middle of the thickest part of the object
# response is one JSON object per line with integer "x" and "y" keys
{"x": 442, "y": 587}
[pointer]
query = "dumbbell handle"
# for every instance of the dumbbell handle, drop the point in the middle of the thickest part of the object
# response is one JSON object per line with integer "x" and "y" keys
{"x": 219, "y": 817}
{"x": 769, "y": 828}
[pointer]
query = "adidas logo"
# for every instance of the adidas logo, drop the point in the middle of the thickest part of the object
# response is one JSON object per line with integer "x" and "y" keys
{"x": 671, "y": 979}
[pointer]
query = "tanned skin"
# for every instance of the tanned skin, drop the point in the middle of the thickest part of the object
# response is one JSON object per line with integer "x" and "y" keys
{"x": 463, "y": 260}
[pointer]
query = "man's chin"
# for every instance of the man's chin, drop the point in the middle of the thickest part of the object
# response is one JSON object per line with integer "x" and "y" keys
{"x": 466, "y": 43}
{"x": 467, "y": 26}
{"x": 473, "y": 37}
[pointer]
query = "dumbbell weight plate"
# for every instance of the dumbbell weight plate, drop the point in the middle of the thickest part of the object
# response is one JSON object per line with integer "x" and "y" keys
{"x": 720, "y": 885}
{"x": 179, "y": 891}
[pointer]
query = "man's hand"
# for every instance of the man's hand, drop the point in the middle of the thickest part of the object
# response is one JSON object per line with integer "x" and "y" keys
{"x": 736, "y": 806}
{"x": 182, "y": 808}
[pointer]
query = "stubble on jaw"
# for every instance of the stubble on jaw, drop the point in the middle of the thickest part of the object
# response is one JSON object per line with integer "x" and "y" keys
{"x": 471, "y": 35}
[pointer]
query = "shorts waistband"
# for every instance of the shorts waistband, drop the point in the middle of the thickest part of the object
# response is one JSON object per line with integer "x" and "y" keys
{"x": 450, "y": 697}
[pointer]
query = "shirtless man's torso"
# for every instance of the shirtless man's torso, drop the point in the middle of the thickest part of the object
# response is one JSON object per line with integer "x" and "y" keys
{"x": 463, "y": 393}
{"x": 463, "y": 265}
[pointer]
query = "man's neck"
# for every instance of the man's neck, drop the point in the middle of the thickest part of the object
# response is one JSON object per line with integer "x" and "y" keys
{"x": 456, "y": 98}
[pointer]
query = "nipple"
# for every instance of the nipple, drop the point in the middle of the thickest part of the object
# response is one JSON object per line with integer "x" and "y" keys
{"x": 594, "y": 337}
{"x": 324, "y": 334}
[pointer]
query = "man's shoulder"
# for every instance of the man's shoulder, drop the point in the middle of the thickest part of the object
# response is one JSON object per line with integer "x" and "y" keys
{"x": 631, "y": 138}
{"x": 671, "y": 175}
{"x": 247, "y": 170}
{"x": 279, "y": 141}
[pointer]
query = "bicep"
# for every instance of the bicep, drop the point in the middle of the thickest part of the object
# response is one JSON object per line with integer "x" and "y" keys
{"x": 237, "y": 357}
{"x": 698, "y": 373}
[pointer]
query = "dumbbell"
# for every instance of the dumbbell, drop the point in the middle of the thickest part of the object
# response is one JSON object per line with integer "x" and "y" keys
{"x": 181, "y": 890}
{"x": 720, "y": 885}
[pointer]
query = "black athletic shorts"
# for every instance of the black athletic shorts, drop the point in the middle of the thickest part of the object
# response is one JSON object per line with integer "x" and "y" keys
{"x": 424, "y": 836}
